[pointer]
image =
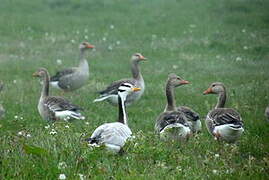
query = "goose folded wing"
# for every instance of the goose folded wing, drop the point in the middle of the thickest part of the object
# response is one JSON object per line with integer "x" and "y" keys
{"x": 227, "y": 116}
{"x": 60, "y": 104}
{"x": 62, "y": 73}
{"x": 171, "y": 118}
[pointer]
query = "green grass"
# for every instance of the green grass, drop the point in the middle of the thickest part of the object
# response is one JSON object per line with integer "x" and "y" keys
{"x": 201, "y": 40}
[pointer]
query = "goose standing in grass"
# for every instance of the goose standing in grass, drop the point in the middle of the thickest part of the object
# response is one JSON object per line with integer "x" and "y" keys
{"x": 110, "y": 93}
{"x": 172, "y": 124}
{"x": 2, "y": 110}
{"x": 52, "y": 108}
{"x": 114, "y": 135}
{"x": 73, "y": 78}
{"x": 223, "y": 123}
{"x": 267, "y": 113}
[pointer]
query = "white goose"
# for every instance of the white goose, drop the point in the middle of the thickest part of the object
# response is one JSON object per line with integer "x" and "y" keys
{"x": 223, "y": 123}
{"x": 114, "y": 135}
{"x": 53, "y": 108}
{"x": 73, "y": 78}
{"x": 172, "y": 124}
{"x": 110, "y": 93}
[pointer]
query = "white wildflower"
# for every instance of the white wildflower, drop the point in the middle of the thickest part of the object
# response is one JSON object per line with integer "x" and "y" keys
{"x": 16, "y": 117}
{"x": 111, "y": 26}
{"x": 47, "y": 127}
{"x": 86, "y": 37}
{"x": 21, "y": 118}
{"x": 66, "y": 126}
{"x": 28, "y": 135}
{"x": 214, "y": 171}
{"x": 104, "y": 38}
{"x": 73, "y": 41}
{"x": 59, "y": 61}
{"x": 53, "y": 132}
{"x": 87, "y": 123}
{"x": 175, "y": 66}
{"x": 118, "y": 42}
{"x": 62, "y": 165}
{"x": 81, "y": 176}
{"x": 110, "y": 48}
{"x": 62, "y": 176}
{"x": 243, "y": 30}
{"x": 245, "y": 47}
{"x": 216, "y": 155}
{"x": 238, "y": 59}
{"x": 20, "y": 133}
{"x": 46, "y": 34}
{"x": 14, "y": 81}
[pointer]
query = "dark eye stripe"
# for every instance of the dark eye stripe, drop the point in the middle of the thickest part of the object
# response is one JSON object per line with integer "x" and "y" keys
{"x": 121, "y": 90}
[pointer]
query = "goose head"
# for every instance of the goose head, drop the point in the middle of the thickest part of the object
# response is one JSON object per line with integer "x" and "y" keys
{"x": 41, "y": 73}
{"x": 125, "y": 89}
{"x": 138, "y": 57}
{"x": 215, "y": 88}
{"x": 175, "y": 81}
{"x": 85, "y": 45}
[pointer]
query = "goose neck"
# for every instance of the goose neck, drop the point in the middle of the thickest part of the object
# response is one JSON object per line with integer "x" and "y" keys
{"x": 221, "y": 100}
{"x": 45, "y": 88}
{"x": 136, "y": 71}
{"x": 171, "y": 102}
{"x": 122, "y": 111}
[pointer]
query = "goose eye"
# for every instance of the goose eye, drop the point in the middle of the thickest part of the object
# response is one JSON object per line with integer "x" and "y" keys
{"x": 213, "y": 85}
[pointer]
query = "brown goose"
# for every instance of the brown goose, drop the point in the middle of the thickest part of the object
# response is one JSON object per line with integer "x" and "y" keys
{"x": 73, "y": 78}
{"x": 2, "y": 110}
{"x": 223, "y": 123}
{"x": 53, "y": 108}
{"x": 267, "y": 113}
{"x": 110, "y": 93}
{"x": 172, "y": 124}
{"x": 114, "y": 135}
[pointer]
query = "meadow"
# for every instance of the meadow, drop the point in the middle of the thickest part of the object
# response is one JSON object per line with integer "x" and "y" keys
{"x": 202, "y": 41}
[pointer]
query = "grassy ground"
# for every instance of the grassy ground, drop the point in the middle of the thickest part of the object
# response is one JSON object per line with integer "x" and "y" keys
{"x": 201, "y": 40}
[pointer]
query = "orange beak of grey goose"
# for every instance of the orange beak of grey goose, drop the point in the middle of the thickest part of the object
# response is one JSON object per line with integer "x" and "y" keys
{"x": 184, "y": 82}
{"x": 208, "y": 91}
{"x": 90, "y": 46}
{"x": 142, "y": 58}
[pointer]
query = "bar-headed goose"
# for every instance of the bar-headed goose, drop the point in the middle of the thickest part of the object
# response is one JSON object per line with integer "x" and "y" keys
{"x": 53, "y": 108}
{"x": 267, "y": 113}
{"x": 73, "y": 78}
{"x": 110, "y": 93}
{"x": 114, "y": 135}
{"x": 172, "y": 124}
{"x": 223, "y": 123}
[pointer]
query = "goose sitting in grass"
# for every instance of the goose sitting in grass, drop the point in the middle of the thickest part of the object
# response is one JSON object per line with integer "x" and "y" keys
{"x": 223, "y": 123}
{"x": 172, "y": 124}
{"x": 52, "y": 108}
{"x": 114, "y": 135}
{"x": 110, "y": 93}
{"x": 73, "y": 78}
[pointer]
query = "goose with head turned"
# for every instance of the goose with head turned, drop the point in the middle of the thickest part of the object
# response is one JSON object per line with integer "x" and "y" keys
{"x": 223, "y": 123}
{"x": 52, "y": 108}
{"x": 73, "y": 78}
{"x": 110, "y": 93}
{"x": 172, "y": 124}
{"x": 114, "y": 135}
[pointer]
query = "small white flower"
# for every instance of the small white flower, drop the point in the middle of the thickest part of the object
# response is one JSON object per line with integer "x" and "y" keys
{"x": 175, "y": 66}
{"x": 218, "y": 56}
{"x": 86, "y": 37}
{"x": 62, "y": 165}
{"x": 110, "y": 48}
{"x": 20, "y": 133}
{"x": 192, "y": 26}
{"x": 66, "y": 126}
{"x": 112, "y": 26}
{"x": 238, "y": 59}
{"x": 59, "y": 61}
{"x": 14, "y": 81}
{"x": 21, "y": 118}
{"x": 104, "y": 38}
{"x": 245, "y": 47}
{"x": 28, "y": 135}
{"x": 81, "y": 176}
{"x": 118, "y": 42}
{"x": 87, "y": 123}
{"x": 73, "y": 41}
{"x": 16, "y": 117}
{"x": 62, "y": 176}
{"x": 214, "y": 171}
{"x": 46, "y": 34}
{"x": 243, "y": 30}
{"x": 47, "y": 127}
{"x": 53, "y": 132}
{"x": 216, "y": 155}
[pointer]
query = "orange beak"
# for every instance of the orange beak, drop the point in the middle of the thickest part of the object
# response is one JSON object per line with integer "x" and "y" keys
{"x": 208, "y": 91}
{"x": 184, "y": 82}
{"x": 136, "y": 89}
{"x": 35, "y": 74}
{"x": 142, "y": 58}
{"x": 90, "y": 46}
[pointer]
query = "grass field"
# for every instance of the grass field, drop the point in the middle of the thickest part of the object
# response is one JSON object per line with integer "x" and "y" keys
{"x": 203, "y": 41}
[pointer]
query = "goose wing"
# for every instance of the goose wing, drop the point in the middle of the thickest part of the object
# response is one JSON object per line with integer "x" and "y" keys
{"x": 113, "y": 87}
{"x": 221, "y": 116}
{"x": 62, "y": 73}
{"x": 170, "y": 117}
{"x": 189, "y": 113}
{"x": 55, "y": 103}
